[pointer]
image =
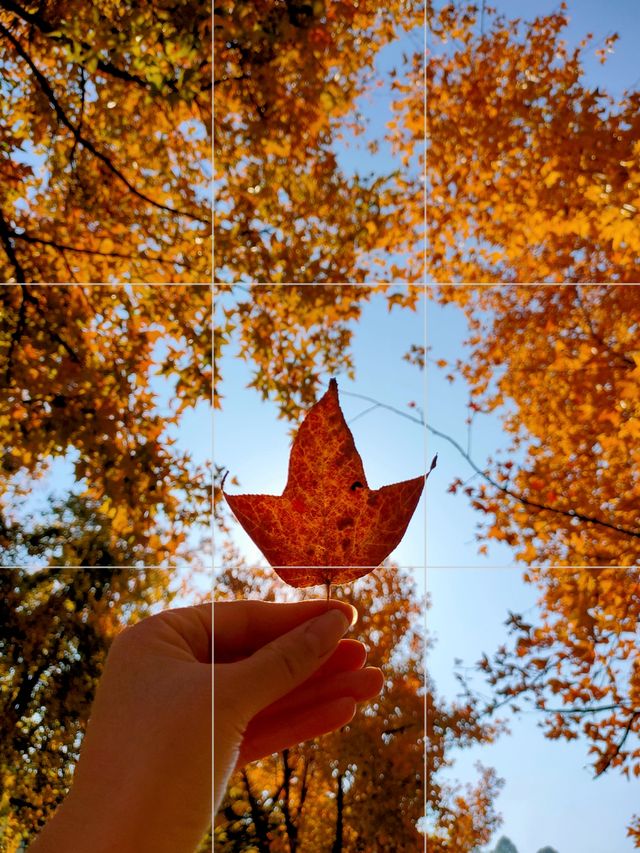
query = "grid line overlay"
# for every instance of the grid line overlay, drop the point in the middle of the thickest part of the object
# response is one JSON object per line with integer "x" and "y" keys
{"x": 427, "y": 567}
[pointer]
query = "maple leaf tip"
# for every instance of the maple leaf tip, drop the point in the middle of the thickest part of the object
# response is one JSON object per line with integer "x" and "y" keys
{"x": 333, "y": 385}
{"x": 224, "y": 477}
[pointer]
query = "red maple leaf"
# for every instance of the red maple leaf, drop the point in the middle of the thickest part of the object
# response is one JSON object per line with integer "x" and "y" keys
{"x": 328, "y": 526}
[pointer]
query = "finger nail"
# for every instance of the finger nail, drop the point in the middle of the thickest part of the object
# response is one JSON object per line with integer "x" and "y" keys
{"x": 326, "y": 630}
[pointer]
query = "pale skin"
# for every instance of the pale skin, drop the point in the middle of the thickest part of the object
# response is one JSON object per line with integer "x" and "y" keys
{"x": 143, "y": 782}
{"x": 283, "y": 675}
{"x": 144, "y": 779}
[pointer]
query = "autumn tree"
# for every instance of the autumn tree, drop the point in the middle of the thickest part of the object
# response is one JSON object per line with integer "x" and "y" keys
{"x": 79, "y": 379}
{"x": 105, "y": 155}
{"x": 77, "y": 372}
{"x": 288, "y": 77}
{"x": 532, "y": 174}
{"x": 510, "y": 194}
{"x": 577, "y": 665}
{"x": 565, "y": 489}
{"x": 363, "y": 787}
{"x": 564, "y": 494}
{"x": 82, "y": 371}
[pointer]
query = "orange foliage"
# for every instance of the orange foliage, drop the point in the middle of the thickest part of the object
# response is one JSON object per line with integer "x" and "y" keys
{"x": 104, "y": 170}
{"x": 76, "y": 371}
{"x": 532, "y": 175}
{"x": 566, "y": 361}
{"x": 287, "y": 79}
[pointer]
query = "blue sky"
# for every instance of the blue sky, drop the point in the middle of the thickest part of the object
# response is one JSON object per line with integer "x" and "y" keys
{"x": 548, "y": 784}
{"x": 620, "y": 71}
{"x": 376, "y": 109}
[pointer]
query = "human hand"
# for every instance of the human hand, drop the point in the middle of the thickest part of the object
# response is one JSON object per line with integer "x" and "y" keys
{"x": 282, "y": 675}
{"x": 143, "y": 782}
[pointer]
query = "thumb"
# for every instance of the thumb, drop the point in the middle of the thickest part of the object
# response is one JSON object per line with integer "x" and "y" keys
{"x": 284, "y": 663}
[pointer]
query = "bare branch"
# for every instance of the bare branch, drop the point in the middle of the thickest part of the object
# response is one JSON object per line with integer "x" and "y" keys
{"x": 6, "y": 236}
{"x": 596, "y": 710}
{"x": 569, "y": 513}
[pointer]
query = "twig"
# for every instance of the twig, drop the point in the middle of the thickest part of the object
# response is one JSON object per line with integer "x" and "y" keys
{"x": 6, "y": 235}
{"x": 569, "y": 513}
{"x": 619, "y": 745}
{"x": 86, "y": 143}
{"x": 63, "y": 247}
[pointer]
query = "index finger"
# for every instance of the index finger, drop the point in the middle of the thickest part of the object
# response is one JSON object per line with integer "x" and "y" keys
{"x": 241, "y": 627}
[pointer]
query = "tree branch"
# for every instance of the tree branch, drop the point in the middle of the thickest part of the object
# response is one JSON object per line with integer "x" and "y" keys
{"x": 47, "y": 28}
{"x": 86, "y": 143}
{"x": 595, "y": 710}
{"x": 62, "y": 247}
{"x": 292, "y": 830}
{"x": 17, "y": 333}
{"x": 6, "y": 235}
{"x": 398, "y": 729}
{"x": 259, "y": 821}
{"x": 20, "y": 327}
{"x": 568, "y": 513}
{"x": 304, "y": 787}
{"x": 619, "y": 745}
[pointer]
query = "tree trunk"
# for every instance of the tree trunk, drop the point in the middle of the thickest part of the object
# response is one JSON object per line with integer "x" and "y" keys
{"x": 337, "y": 844}
{"x": 259, "y": 818}
{"x": 292, "y": 829}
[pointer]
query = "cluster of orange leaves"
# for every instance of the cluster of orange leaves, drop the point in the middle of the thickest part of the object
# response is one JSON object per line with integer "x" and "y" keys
{"x": 532, "y": 175}
{"x": 105, "y": 142}
{"x": 76, "y": 371}
{"x": 287, "y": 80}
{"x": 562, "y": 367}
